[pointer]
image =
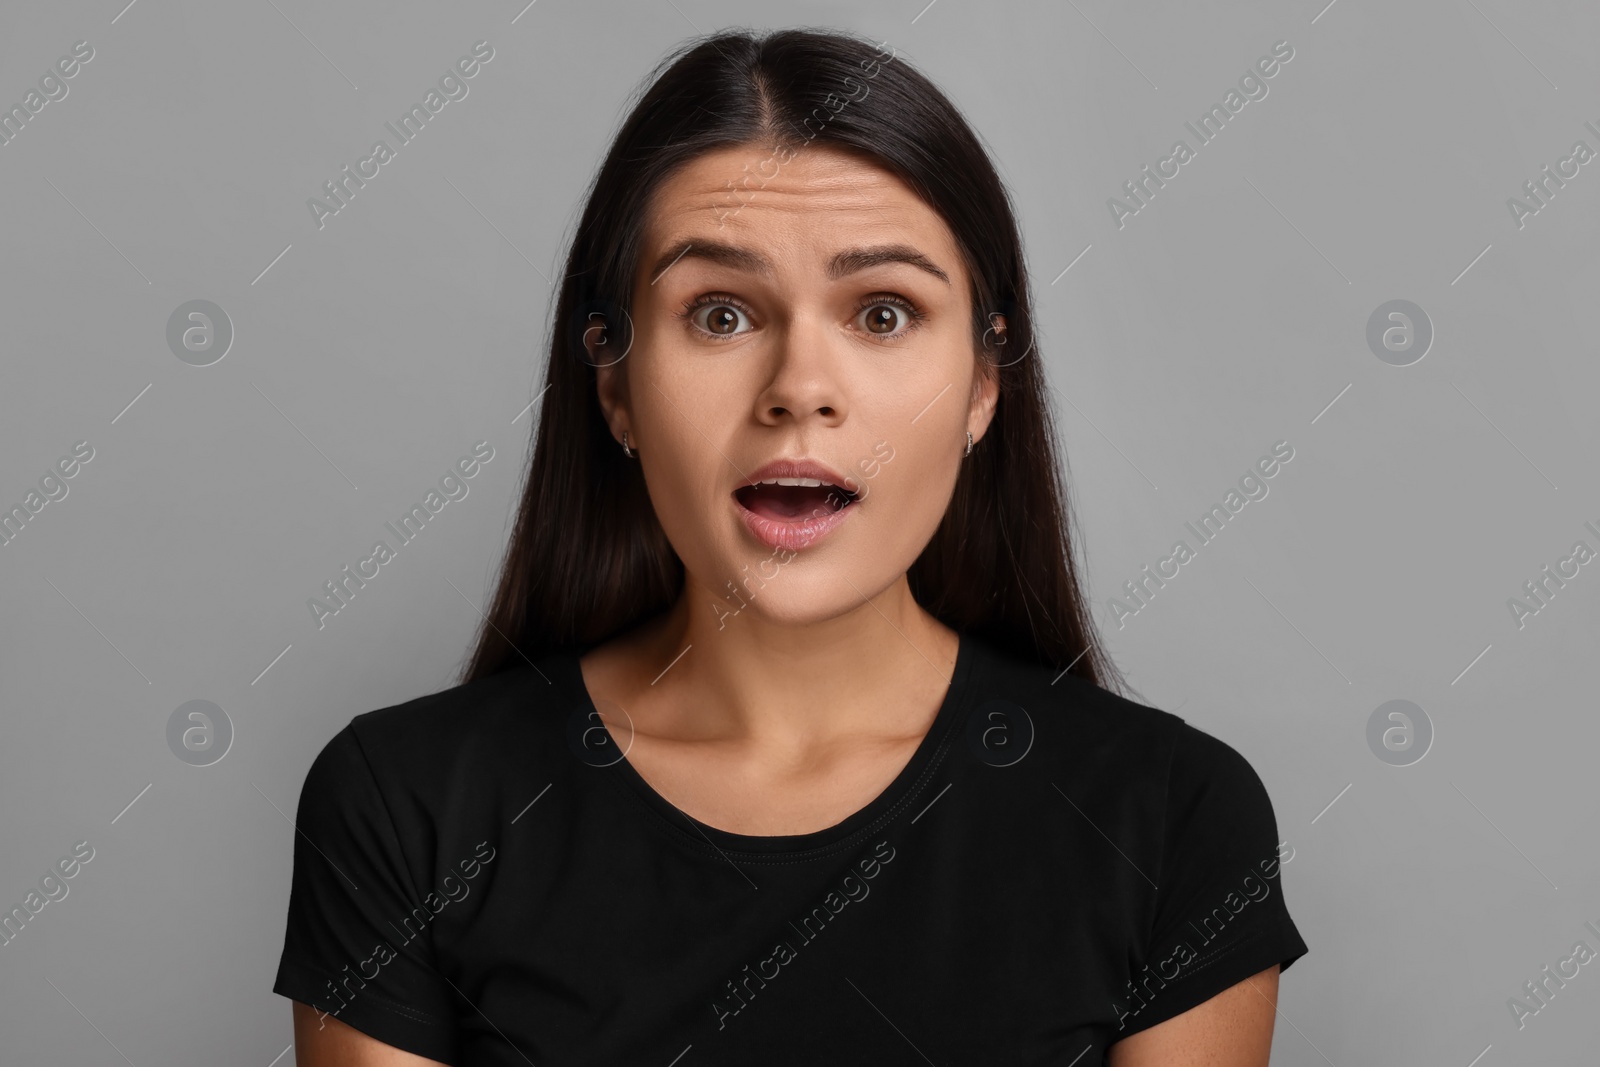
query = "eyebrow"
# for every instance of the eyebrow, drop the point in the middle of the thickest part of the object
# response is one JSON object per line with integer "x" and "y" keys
{"x": 842, "y": 264}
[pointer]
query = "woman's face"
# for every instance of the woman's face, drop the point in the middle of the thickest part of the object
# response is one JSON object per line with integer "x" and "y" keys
{"x": 824, "y": 315}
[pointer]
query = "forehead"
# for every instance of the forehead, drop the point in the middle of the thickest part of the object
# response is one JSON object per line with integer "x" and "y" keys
{"x": 798, "y": 206}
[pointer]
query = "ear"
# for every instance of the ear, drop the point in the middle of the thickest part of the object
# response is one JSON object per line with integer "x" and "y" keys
{"x": 986, "y": 379}
{"x": 611, "y": 384}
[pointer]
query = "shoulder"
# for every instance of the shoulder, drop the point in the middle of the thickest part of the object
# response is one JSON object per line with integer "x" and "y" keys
{"x": 1117, "y": 742}
{"x": 1073, "y": 717}
{"x": 462, "y": 715}
{"x": 425, "y": 750}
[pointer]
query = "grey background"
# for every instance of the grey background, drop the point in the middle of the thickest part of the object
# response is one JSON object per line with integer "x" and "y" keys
{"x": 1229, "y": 314}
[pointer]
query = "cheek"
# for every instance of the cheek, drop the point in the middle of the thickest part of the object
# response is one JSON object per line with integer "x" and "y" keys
{"x": 906, "y": 472}
{"x": 684, "y": 425}
{"x": 678, "y": 452}
{"x": 908, "y": 482}
{"x": 679, "y": 477}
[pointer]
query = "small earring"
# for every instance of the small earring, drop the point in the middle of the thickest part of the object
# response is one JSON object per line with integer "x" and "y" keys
{"x": 626, "y": 451}
{"x": 968, "y": 452}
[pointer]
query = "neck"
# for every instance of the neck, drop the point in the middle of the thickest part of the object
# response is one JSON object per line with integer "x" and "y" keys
{"x": 699, "y": 672}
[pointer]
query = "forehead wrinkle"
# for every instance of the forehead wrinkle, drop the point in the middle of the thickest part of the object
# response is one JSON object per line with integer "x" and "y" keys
{"x": 834, "y": 186}
{"x": 841, "y": 265}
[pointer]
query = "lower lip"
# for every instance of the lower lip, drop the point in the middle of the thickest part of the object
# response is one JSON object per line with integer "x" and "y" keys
{"x": 794, "y": 535}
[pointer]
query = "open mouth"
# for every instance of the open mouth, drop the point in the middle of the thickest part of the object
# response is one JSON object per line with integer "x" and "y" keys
{"x": 793, "y": 499}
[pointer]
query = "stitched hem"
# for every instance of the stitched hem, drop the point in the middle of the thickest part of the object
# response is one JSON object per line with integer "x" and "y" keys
{"x": 388, "y": 1020}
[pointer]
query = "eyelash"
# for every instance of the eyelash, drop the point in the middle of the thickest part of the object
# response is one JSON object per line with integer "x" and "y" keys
{"x": 914, "y": 313}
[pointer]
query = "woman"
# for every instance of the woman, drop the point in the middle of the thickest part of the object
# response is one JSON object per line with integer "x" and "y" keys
{"x": 787, "y": 738}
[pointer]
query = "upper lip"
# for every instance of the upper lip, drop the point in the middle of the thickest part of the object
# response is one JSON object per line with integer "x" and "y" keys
{"x": 800, "y": 467}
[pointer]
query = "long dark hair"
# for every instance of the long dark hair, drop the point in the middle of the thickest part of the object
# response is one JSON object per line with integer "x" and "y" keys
{"x": 588, "y": 558}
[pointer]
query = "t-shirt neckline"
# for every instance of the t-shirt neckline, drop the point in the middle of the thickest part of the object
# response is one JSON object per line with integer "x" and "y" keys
{"x": 906, "y": 787}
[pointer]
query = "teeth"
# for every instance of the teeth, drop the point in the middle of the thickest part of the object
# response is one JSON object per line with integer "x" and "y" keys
{"x": 812, "y": 482}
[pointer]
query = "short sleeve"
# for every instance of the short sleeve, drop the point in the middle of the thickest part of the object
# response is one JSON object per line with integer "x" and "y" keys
{"x": 358, "y": 940}
{"x": 1220, "y": 914}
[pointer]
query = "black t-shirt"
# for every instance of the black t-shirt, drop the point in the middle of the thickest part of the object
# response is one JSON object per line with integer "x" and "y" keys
{"x": 481, "y": 877}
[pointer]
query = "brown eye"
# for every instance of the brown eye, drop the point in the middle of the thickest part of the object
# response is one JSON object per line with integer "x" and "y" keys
{"x": 722, "y": 320}
{"x": 889, "y": 317}
{"x": 882, "y": 318}
{"x": 718, "y": 319}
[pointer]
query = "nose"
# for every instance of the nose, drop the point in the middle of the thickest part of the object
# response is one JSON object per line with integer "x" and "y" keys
{"x": 804, "y": 380}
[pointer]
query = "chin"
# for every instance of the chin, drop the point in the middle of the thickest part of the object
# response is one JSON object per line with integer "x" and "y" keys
{"x": 788, "y": 598}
